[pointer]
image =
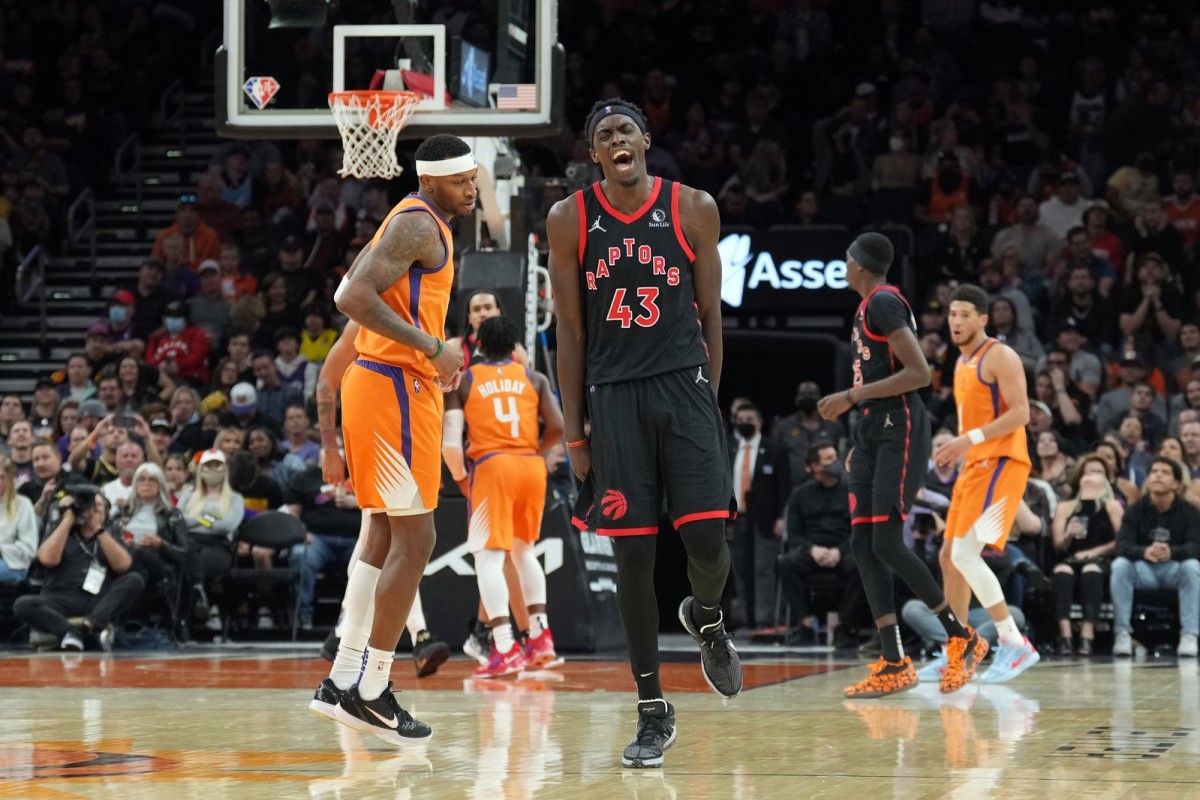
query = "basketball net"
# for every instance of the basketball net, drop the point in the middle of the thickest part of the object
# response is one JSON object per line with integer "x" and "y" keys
{"x": 369, "y": 122}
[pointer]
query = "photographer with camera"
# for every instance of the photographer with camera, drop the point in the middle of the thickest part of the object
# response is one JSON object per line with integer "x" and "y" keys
{"x": 86, "y": 574}
{"x": 1158, "y": 547}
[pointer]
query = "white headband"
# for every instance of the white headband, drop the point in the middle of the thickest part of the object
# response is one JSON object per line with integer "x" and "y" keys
{"x": 449, "y": 166}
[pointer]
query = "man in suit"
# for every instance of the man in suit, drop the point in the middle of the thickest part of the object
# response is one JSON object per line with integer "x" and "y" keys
{"x": 762, "y": 482}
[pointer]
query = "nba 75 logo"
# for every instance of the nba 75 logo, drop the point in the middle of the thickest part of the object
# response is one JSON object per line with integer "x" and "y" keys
{"x": 658, "y": 219}
{"x": 261, "y": 90}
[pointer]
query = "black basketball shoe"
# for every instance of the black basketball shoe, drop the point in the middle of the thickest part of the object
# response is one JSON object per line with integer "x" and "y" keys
{"x": 719, "y": 661}
{"x": 429, "y": 653}
{"x": 325, "y": 700}
{"x": 382, "y": 716}
{"x": 655, "y": 735}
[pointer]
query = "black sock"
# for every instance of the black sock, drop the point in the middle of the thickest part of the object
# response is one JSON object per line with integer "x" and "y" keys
{"x": 705, "y": 615}
{"x": 889, "y": 637}
{"x": 648, "y": 686}
{"x": 951, "y": 623}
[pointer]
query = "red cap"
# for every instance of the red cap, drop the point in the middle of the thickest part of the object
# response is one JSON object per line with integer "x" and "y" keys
{"x": 122, "y": 296}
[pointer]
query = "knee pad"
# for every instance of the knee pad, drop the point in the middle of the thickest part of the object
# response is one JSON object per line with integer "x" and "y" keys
{"x": 979, "y": 577}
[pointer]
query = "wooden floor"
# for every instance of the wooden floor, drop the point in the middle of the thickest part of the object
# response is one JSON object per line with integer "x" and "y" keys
{"x": 234, "y": 725}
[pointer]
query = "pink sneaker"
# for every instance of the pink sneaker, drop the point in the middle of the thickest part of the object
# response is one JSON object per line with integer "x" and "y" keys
{"x": 540, "y": 652}
{"x": 499, "y": 665}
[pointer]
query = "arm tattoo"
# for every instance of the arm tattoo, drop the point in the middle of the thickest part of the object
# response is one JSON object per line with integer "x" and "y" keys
{"x": 326, "y": 411}
{"x": 409, "y": 238}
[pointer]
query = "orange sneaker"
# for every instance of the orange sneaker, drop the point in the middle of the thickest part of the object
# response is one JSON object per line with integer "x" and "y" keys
{"x": 887, "y": 677}
{"x": 963, "y": 657}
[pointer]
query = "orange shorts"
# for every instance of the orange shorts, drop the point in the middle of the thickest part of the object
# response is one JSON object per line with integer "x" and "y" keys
{"x": 508, "y": 495}
{"x": 986, "y": 497}
{"x": 392, "y": 428}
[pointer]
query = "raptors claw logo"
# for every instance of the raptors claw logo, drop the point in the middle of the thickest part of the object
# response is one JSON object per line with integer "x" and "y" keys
{"x": 613, "y": 505}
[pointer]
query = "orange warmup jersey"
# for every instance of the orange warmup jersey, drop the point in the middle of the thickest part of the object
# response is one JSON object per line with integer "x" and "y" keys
{"x": 508, "y": 479}
{"x": 989, "y": 489}
{"x": 391, "y": 403}
{"x": 501, "y": 410}
{"x": 979, "y": 403}
{"x": 420, "y": 297}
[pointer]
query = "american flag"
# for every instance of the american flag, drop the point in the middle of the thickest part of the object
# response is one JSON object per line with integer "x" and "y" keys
{"x": 516, "y": 96}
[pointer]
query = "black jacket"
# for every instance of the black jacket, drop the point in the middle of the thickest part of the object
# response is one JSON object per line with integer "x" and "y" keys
{"x": 1182, "y": 519}
{"x": 819, "y": 516}
{"x": 770, "y": 485}
{"x": 172, "y": 529}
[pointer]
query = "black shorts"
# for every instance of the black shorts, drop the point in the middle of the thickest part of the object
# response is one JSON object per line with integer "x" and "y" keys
{"x": 653, "y": 438}
{"x": 890, "y": 460}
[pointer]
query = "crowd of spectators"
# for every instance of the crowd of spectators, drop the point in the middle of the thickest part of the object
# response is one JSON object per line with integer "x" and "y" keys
{"x": 76, "y": 79}
{"x": 1048, "y": 154}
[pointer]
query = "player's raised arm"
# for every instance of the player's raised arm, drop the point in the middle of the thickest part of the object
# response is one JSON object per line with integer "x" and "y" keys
{"x": 562, "y": 228}
{"x": 702, "y": 226}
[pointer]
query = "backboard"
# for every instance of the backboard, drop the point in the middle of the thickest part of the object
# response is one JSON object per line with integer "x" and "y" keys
{"x": 487, "y": 67}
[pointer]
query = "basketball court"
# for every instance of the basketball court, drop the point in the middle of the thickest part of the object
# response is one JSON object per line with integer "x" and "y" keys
{"x": 234, "y": 724}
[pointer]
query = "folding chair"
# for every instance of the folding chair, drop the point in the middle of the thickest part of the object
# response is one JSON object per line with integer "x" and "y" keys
{"x": 277, "y": 531}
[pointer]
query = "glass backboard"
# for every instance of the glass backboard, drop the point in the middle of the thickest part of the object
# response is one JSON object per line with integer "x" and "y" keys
{"x": 485, "y": 67}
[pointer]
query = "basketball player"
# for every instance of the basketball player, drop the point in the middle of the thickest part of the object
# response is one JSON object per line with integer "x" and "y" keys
{"x": 500, "y": 401}
{"x": 990, "y": 393}
{"x": 398, "y": 290}
{"x": 482, "y": 304}
{"x": 637, "y": 287}
{"x": 429, "y": 653}
{"x": 891, "y": 451}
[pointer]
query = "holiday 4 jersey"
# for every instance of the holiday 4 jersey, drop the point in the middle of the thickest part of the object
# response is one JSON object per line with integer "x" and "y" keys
{"x": 500, "y": 410}
{"x": 639, "y": 302}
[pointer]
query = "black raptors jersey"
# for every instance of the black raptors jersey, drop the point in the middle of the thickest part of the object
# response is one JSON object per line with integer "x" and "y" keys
{"x": 639, "y": 304}
{"x": 883, "y": 311}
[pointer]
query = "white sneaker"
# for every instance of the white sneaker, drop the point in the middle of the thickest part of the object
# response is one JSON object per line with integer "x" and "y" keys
{"x": 71, "y": 641}
{"x": 1187, "y": 646}
{"x": 213, "y": 623}
{"x": 1122, "y": 644}
{"x": 265, "y": 621}
{"x": 106, "y": 638}
{"x": 933, "y": 670}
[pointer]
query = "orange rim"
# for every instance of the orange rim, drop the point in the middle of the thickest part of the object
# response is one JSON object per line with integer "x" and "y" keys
{"x": 387, "y": 101}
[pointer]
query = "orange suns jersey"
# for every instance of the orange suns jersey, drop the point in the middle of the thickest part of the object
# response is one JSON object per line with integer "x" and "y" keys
{"x": 420, "y": 297}
{"x": 500, "y": 410}
{"x": 979, "y": 403}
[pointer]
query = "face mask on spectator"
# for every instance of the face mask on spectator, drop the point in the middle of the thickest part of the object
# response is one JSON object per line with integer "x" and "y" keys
{"x": 746, "y": 429}
{"x": 118, "y": 314}
{"x": 174, "y": 325}
{"x": 833, "y": 470}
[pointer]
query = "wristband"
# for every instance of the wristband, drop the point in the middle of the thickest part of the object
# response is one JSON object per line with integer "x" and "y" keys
{"x": 580, "y": 443}
{"x": 441, "y": 345}
{"x": 976, "y": 435}
{"x": 849, "y": 398}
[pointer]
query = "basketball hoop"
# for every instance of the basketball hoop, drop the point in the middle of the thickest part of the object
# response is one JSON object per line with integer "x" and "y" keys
{"x": 369, "y": 122}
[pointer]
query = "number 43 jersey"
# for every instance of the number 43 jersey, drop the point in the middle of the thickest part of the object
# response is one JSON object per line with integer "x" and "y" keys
{"x": 639, "y": 301}
{"x": 500, "y": 410}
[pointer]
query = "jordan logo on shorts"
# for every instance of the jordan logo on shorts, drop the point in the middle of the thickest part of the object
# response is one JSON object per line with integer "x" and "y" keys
{"x": 887, "y": 421}
{"x": 596, "y": 226}
{"x": 700, "y": 375}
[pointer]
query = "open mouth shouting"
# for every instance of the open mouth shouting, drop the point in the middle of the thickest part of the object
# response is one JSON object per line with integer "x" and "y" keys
{"x": 623, "y": 160}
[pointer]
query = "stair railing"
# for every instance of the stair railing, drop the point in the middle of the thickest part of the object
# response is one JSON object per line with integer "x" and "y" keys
{"x": 171, "y": 105}
{"x": 31, "y": 282}
{"x": 81, "y": 227}
{"x": 127, "y": 166}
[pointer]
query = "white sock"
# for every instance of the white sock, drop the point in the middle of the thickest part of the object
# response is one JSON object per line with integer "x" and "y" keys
{"x": 376, "y": 673}
{"x": 358, "y": 611}
{"x": 493, "y": 590}
{"x": 502, "y": 635}
{"x": 363, "y": 530}
{"x": 537, "y": 623}
{"x": 416, "y": 618}
{"x": 1008, "y": 632}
